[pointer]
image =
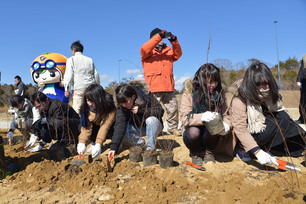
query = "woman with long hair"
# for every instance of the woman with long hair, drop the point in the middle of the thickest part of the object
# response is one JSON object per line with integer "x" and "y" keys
{"x": 138, "y": 114}
{"x": 259, "y": 119}
{"x": 97, "y": 117}
{"x": 203, "y": 97}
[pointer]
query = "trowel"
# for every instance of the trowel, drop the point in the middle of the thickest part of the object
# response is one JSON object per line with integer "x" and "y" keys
{"x": 287, "y": 166}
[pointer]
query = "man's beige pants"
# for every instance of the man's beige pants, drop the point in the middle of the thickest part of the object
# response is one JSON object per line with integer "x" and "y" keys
{"x": 78, "y": 95}
{"x": 168, "y": 99}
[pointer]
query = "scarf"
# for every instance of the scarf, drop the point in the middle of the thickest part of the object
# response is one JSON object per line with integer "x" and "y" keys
{"x": 256, "y": 119}
{"x": 198, "y": 104}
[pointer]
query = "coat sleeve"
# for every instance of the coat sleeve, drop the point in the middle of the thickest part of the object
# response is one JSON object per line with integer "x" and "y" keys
{"x": 119, "y": 129}
{"x": 239, "y": 122}
{"x": 104, "y": 127}
{"x": 96, "y": 74}
{"x": 300, "y": 74}
{"x": 185, "y": 109}
{"x": 147, "y": 48}
{"x": 85, "y": 133}
{"x": 68, "y": 77}
{"x": 154, "y": 108}
{"x": 177, "y": 50}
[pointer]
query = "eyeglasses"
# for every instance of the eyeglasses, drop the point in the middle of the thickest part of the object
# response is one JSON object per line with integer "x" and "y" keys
{"x": 49, "y": 64}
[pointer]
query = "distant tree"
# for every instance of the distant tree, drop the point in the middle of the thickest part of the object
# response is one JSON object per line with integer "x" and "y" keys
{"x": 253, "y": 60}
{"x": 239, "y": 66}
{"x": 223, "y": 64}
{"x": 291, "y": 63}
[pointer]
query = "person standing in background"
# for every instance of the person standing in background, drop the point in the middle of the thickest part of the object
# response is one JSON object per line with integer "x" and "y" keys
{"x": 80, "y": 72}
{"x": 301, "y": 82}
{"x": 157, "y": 60}
{"x": 21, "y": 87}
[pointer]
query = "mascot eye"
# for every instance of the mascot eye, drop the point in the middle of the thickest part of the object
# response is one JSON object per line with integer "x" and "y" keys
{"x": 52, "y": 74}
{"x": 36, "y": 75}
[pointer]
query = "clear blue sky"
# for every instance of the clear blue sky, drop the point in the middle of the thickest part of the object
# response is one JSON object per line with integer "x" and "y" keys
{"x": 113, "y": 30}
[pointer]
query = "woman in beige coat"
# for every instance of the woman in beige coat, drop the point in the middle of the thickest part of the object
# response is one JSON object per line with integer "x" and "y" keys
{"x": 97, "y": 118}
{"x": 259, "y": 120}
{"x": 203, "y": 97}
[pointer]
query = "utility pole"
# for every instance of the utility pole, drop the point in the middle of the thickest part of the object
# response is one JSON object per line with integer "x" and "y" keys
{"x": 119, "y": 70}
{"x": 279, "y": 77}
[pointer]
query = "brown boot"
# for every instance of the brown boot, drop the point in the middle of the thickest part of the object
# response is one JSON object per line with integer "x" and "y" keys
{"x": 209, "y": 156}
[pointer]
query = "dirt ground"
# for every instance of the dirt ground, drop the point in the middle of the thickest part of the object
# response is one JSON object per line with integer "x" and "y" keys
{"x": 229, "y": 180}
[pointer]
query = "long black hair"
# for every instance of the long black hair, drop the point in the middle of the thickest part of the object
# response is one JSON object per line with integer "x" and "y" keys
{"x": 124, "y": 91}
{"x": 208, "y": 72}
{"x": 257, "y": 74}
{"x": 103, "y": 101}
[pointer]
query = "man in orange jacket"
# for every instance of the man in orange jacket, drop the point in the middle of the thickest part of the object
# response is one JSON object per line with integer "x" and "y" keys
{"x": 157, "y": 60}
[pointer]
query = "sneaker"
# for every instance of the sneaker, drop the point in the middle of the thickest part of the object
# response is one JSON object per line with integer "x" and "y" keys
{"x": 197, "y": 160}
{"x": 209, "y": 156}
{"x": 241, "y": 154}
{"x": 175, "y": 132}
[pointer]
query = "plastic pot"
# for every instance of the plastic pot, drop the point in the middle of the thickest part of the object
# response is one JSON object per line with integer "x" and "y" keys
{"x": 215, "y": 126}
{"x": 135, "y": 154}
{"x": 149, "y": 158}
{"x": 166, "y": 159}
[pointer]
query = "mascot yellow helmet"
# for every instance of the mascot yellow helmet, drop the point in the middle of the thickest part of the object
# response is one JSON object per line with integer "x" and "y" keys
{"x": 49, "y": 61}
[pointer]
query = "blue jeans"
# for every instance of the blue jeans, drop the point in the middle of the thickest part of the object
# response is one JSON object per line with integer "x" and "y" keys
{"x": 133, "y": 134}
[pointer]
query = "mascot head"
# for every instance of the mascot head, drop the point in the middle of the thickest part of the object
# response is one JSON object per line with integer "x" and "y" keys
{"x": 48, "y": 68}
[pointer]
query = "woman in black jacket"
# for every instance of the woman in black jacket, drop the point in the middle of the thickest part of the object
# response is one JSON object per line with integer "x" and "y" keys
{"x": 138, "y": 114}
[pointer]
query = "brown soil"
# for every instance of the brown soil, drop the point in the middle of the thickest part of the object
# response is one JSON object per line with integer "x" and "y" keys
{"x": 229, "y": 180}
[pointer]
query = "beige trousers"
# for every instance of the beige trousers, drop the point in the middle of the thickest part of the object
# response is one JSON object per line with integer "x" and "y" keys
{"x": 168, "y": 99}
{"x": 78, "y": 95}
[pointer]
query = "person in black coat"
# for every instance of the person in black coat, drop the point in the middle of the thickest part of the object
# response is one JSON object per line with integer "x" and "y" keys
{"x": 59, "y": 121}
{"x": 301, "y": 82}
{"x": 138, "y": 114}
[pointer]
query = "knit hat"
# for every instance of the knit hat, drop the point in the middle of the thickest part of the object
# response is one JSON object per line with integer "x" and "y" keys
{"x": 154, "y": 32}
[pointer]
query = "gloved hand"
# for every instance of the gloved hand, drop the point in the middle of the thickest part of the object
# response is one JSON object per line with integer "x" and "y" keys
{"x": 208, "y": 116}
{"x": 172, "y": 38}
{"x": 164, "y": 34}
{"x": 111, "y": 155}
{"x": 10, "y": 137}
{"x": 36, "y": 148}
{"x": 81, "y": 148}
{"x": 43, "y": 121}
{"x": 265, "y": 158}
{"x": 96, "y": 150}
{"x": 32, "y": 141}
{"x": 11, "y": 111}
{"x": 226, "y": 129}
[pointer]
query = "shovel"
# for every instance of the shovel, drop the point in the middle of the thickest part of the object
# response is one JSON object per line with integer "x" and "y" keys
{"x": 287, "y": 166}
{"x": 201, "y": 168}
{"x": 110, "y": 163}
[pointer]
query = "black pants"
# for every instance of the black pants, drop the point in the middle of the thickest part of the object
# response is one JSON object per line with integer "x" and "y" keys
{"x": 281, "y": 131}
{"x": 197, "y": 139}
{"x": 302, "y": 106}
{"x": 62, "y": 131}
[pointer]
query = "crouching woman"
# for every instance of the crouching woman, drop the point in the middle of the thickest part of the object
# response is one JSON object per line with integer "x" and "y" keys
{"x": 138, "y": 114}
{"x": 97, "y": 117}
{"x": 203, "y": 97}
{"x": 259, "y": 119}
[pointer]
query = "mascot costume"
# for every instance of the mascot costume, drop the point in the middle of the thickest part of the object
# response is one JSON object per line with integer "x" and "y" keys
{"x": 48, "y": 72}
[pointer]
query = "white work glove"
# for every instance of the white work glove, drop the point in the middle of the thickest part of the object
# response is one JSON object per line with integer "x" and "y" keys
{"x": 96, "y": 150}
{"x": 226, "y": 129}
{"x": 265, "y": 158}
{"x": 10, "y": 136}
{"x": 111, "y": 154}
{"x": 11, "y": 111}
{"x": 32, "y": 141}
{"x": 208, "y": 116}
{"x": 43, "y": 121}
{"x": 81, "y": 148}
{"x": 36, "y": 148}
{"x": 90, "y": 148}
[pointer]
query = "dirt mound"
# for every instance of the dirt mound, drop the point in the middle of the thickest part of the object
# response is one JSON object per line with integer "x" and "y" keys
{"x": 229, "y": 180}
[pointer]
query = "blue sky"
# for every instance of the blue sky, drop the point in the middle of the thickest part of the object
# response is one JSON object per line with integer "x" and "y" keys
{"x": 115, "y": 30}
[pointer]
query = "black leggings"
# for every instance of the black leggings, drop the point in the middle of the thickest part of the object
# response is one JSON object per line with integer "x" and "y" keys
{"x": 198, "y": 139}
